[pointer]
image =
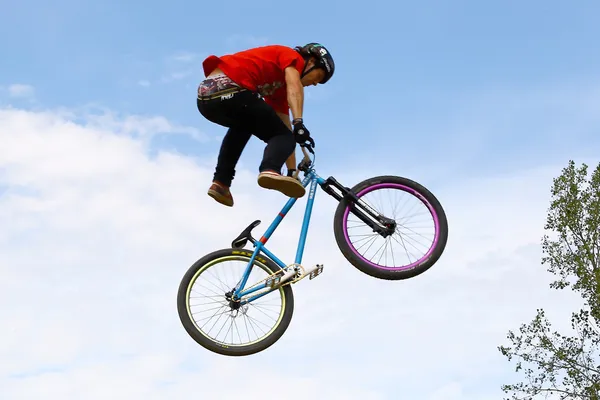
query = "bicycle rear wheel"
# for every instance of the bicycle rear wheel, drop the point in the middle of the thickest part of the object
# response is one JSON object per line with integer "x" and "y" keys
{"x": 373, "y": 254}
{"x": 216, "y": 323}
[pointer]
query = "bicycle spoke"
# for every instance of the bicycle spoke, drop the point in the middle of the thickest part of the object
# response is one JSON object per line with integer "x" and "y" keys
{"x": 413, "y": 235}
{"x": 213, "y": 314}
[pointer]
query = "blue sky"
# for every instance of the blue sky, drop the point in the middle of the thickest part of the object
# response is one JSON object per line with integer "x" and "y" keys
{"x": 406, "y": 79}
{"x": 482, "y": 102}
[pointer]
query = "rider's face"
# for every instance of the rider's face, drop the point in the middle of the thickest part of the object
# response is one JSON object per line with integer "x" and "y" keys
{"x": 313, "y": 77}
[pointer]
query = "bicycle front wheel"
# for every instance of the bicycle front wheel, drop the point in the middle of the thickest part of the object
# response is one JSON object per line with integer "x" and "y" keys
{"x": 419, "y": 236}
{"x": 227, "y": 327}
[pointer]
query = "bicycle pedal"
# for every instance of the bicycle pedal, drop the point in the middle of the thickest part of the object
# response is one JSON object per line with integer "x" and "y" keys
{"x": 273, "y": 281}
{"x": 281, "y": 277}
{"x": 316, "y": 271}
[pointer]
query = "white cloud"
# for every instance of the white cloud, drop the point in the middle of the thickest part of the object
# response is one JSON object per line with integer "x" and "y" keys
{"x": 451, "y": 391}
{"x": 141, "y": 126}
{"x": 144, "y": 83}
{"x": 21, "y": 90}
{"x": 95, "y": 236}
{"x": 144, "y": 126}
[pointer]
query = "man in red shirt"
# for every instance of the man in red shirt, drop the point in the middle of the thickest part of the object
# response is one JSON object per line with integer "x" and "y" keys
{"x": 251, "y": 93}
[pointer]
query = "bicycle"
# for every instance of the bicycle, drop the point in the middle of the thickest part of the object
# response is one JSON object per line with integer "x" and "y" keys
{"x": 233, "y": 300}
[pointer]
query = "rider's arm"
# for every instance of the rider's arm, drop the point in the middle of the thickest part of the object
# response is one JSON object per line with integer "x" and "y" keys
{"x": 295, "y": 91}
{"x": 290, "y": 163}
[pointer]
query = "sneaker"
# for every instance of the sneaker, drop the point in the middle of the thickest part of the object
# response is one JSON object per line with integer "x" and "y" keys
{"x": 287, "y": 185}
{"x": 221, "y": 193}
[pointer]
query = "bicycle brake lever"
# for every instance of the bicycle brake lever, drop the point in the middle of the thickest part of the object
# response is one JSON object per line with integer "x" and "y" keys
{"x": 304, "y": 147}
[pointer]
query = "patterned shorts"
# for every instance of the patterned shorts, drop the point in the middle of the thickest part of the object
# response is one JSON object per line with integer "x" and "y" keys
{"x": 220, "y": 86}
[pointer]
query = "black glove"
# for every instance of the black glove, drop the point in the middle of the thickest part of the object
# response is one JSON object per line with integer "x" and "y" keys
{"x": 301, "y": 134}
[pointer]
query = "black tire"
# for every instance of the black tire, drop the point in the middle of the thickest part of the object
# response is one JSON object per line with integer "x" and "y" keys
{"x": 425, "y": 196}
{"x": 232, "y": 350}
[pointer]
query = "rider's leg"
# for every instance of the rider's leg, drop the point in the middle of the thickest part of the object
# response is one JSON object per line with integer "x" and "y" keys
{"x": 233, "y": 144}
{"x": 264, "y": 123}
{"x": 246, "y": 113}
{"x": 229, "y": 154}
{"x": 223, "y": 112}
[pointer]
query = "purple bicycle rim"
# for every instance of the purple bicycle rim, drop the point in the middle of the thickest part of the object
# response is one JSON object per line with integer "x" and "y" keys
{"x": 407, "y": 189}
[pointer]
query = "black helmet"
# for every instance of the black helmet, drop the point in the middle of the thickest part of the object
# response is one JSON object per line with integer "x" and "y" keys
{"x": 323, "y": 57}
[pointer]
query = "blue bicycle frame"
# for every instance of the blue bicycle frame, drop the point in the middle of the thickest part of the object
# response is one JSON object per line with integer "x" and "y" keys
{"x": 311, "y": 178}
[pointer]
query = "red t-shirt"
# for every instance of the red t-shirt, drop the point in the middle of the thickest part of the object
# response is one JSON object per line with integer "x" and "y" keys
{"x": 261, "y": 70}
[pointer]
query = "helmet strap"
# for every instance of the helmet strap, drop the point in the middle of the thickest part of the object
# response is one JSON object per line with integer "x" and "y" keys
{"x": 307, "y": 71}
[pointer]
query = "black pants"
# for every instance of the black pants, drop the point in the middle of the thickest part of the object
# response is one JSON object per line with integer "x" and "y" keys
{"x": 246, "y": 114}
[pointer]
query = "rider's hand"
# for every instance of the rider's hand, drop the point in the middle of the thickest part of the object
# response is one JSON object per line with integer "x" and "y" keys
{"x": 301, "y": 134}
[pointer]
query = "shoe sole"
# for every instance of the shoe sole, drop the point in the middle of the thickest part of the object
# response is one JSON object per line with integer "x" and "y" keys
{"x": 289, "y": 186}
{"x": 219, "y": 198}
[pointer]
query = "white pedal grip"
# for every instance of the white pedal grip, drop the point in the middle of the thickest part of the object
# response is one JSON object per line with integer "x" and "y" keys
{"x": 314, "y": 271}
